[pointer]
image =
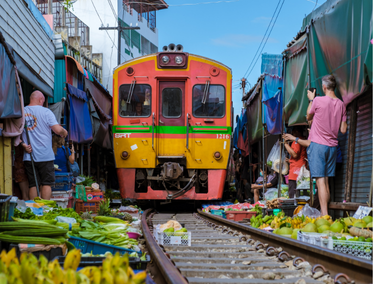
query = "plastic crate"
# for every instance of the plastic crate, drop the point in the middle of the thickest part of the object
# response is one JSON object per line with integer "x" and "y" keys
{"x": 220, "y": 213}
{"x": 88, "y": 246}
{"x": 239, "y": 215}
{"x": 92, "y": 205}
{"x": 135, "y": 262}
{"x": 50, "y": 255}
{"x": 4, "y": 207}
{"x": 169, "y": 239}
{"x": 63, "y": 177}
{"x": 288, "y": 209}
{"x": 61, "y": 186}
{"x": 358, "y": 249}
{"x": 62, "y": 202}
{"x": 317, "y": 239}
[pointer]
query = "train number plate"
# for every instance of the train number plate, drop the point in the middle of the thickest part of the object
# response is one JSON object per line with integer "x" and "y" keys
{"x": 223, "y": 136}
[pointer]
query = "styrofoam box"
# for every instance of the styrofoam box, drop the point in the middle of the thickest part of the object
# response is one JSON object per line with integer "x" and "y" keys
{"x": 169, "y": 239}
{"x": 321, "y": 240}
{"x": 62, "y": 194}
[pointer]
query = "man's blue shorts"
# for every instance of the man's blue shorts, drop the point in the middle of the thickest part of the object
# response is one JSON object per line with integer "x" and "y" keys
{"x": 322, "y": 160}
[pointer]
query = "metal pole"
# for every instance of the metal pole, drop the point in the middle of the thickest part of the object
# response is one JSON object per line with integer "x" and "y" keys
{"x": 119, "y": 43}
{"x": 32, "y": 162}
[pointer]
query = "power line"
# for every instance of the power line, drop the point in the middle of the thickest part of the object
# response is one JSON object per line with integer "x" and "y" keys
{"x": 262, "y": 39}
{"x": 279, "y": 11}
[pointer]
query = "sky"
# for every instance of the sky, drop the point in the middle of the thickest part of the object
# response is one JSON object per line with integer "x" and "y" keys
{"x": 230, "y": 31}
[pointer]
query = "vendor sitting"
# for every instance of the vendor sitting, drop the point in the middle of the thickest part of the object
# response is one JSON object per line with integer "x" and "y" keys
{"x": 257, "y": 188}
{"x": 62, "y": 153}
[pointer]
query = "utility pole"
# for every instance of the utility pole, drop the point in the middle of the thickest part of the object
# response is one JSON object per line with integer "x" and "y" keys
{"x": 243, "y": 85}
{"x": 119, "y": 28}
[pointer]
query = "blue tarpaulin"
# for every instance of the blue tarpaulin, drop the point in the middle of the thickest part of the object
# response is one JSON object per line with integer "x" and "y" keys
{"x": 272, "y": 83}
{"x": 80, "y": 125}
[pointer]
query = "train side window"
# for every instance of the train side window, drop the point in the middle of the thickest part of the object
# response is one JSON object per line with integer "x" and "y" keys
{"x": 171, "y": 102}
{"x": 136, "y": 104}
{"x": 214, "y": 99}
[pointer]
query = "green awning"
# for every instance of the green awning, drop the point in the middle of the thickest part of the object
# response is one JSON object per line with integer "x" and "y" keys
{"x": 339, "y": 40}
{"x": 254, "y": 114}
{"x": 295, "y": 93}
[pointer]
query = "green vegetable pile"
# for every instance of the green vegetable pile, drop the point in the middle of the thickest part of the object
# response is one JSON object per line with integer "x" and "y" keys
{"x": 110, "y": 194}
{"x": 111, "y": 233}
{"x": 87, "y": 182}
{"x": 51, "y": 215}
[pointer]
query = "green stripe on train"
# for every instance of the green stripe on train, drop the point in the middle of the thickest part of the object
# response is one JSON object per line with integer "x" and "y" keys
{"x": 172, "y": 129}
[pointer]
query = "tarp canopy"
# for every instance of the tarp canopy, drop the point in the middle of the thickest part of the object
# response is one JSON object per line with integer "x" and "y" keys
{"x": 80, "y": 125}
{"x": 101, "y": 99}
{"x": 295, "y": 93}
{"x": 254, "y": 114}
{"x": 59, "y": 81}
{"x": 340, "y": 35}
{"x": 10, "y": 104}
{"x": 272, "y": 65}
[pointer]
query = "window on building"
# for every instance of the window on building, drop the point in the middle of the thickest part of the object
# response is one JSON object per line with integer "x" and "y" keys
{"x": 210, "y": 103}
{"x": 136, "y": 103}
{"x": 171, "y": 102}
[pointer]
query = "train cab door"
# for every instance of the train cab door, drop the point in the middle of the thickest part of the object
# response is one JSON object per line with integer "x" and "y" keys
{"x": 171, "y": 124}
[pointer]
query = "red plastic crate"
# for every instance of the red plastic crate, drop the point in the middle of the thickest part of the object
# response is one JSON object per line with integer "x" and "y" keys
{"x": 92, "y": 205}
{"x": 239, "y": 215}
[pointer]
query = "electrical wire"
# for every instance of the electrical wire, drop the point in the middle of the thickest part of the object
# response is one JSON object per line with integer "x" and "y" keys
{"x": 256, "y": 53}
{"x": 279, "y": 11}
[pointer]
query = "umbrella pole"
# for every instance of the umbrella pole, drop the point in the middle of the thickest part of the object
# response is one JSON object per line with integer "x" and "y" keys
{"x": 32, "y": 163}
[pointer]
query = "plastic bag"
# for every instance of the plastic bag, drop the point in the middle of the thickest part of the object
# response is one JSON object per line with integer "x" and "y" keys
{"x": 80, "y": 179}
{"x": 303, "y": 179}
{"x": 274, "y": 155}
{"x": 308, "y": 211}
{"x": 67, "y": 220}
{"x": 271, "y": 193}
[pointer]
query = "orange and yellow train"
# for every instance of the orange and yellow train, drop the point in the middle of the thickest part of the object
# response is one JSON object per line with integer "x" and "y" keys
{"x": 172, "y": 126}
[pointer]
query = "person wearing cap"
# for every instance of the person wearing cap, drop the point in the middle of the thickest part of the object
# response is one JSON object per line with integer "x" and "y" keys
{"x": 40, "y": 121}
{"x": 328, "y": 115}
{"x": 297, "y": 159}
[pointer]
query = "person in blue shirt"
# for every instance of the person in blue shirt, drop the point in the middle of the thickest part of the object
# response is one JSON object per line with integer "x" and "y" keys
{"x": 61, "y": 155}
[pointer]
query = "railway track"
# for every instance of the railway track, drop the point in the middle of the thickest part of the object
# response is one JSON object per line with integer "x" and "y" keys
{"x": 223, "y": 251}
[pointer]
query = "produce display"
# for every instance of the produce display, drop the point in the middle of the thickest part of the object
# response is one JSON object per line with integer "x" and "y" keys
{"x": 50, "y": 215}
{"x": 33, "y": 232}
{"x": 236, "y": 207}
{"x": 106, "y": 230}
{"x": 28, "y": 269}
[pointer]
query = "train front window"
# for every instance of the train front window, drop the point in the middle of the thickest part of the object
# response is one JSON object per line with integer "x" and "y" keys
{"x": 208, "y": 101}
{"x": 171, "y": 102}
{"x": 136, "y": 102}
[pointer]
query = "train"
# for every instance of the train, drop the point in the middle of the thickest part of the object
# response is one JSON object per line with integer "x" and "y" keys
{"x": 172, "y": 126}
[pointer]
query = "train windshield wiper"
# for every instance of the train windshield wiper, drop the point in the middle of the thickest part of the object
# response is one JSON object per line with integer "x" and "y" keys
{"x": 130, "y": 92}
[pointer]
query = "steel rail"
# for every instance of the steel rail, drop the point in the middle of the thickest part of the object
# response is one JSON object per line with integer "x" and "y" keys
{"x": 358, "y": 269}
{"x": 170, "y": 272}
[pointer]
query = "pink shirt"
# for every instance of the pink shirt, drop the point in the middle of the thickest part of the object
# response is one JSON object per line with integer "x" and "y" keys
{"x": 328, "y": 114}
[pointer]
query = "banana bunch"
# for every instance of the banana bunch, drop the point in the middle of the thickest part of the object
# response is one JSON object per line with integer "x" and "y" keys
{"x": 28, "y": 269}
{"x": 115, "y": 270}
{"x": 279, "y": 220}
{"x": 296, "y": 222}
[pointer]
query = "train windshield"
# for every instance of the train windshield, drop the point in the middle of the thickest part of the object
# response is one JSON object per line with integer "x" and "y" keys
{"x": 208, "y": 101}
{"x": 171, "y": 102}
{"x": 134, "y": 100}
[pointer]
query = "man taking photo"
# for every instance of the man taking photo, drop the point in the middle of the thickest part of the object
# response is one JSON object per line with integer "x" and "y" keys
{"x": 328, "y": 115}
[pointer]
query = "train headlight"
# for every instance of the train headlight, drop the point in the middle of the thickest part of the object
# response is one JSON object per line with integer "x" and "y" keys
{"x": 124, "y": 155}
{"x": 178, "y": 60}
{"x": 217, "y": 155}
{"x": 165, "y": 59}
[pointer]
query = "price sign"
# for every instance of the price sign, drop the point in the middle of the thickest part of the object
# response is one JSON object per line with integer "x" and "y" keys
{"x": 362, "y": 211}
{"x": 175, "y": 240}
